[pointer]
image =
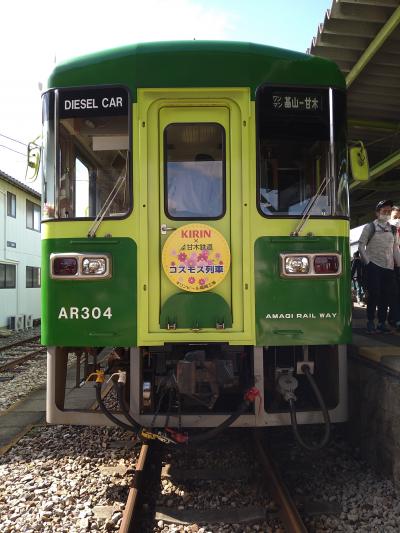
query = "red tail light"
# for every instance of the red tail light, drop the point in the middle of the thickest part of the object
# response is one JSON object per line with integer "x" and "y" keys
{"x": 65, "y": 266}
{"x": 326, "y": 264}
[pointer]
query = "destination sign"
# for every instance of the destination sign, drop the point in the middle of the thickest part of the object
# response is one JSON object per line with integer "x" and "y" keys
{"x": 93, "y": 102}
{"x": 300, "y": 102}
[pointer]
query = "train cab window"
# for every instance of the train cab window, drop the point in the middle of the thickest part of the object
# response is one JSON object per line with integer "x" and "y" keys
{"x": 300, "y": 132}
{"x": 194, "y": 171}
{"x": 92, "y": 155}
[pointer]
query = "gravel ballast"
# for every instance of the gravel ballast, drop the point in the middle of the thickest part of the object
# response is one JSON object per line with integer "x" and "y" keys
{"x": 356, "y": 499}
{"x": 65, "y": 479}
{"x": 18, "y": 336}
{"x": 72, "y": 479}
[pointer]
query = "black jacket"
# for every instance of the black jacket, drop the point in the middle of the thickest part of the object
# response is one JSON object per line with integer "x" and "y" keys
{"x": 356, "y": 269}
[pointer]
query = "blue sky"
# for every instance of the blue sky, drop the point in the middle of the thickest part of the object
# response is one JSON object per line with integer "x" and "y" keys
{"x": 284, "y": 23}
{"x": 50, "y": 29}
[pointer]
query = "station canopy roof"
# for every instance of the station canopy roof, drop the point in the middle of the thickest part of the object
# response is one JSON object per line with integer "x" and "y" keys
{"x": 363, "y": 38}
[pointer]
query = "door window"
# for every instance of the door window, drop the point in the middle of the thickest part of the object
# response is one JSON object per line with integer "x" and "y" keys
{"x": 194, "y": 171}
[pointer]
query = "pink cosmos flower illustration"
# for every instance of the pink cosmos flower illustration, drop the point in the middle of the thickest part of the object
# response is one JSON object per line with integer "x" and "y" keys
{"x": 202, "y": 281}
{"x": 217, "y": 255}
{"x": 191, "y": 280}
{"x": 182, "y": 256}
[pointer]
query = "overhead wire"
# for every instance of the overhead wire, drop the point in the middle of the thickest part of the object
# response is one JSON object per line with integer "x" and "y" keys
{"x": 11, "y": 149}
{"x": 12, "y": 139}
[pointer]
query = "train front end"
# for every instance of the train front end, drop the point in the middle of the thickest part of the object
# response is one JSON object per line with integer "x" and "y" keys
{"x": 195, "y": 241}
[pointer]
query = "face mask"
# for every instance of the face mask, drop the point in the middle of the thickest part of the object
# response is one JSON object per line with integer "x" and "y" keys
{"x": 395, "y": 222}
{"x": 384, "y": 218}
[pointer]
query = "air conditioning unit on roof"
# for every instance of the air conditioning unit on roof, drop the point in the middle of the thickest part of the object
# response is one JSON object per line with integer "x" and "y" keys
{"x": 16, "y": 322}
{"x": 28, "y": 321}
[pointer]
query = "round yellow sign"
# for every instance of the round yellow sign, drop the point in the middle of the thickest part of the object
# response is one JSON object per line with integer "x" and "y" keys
{"x": 196, "y": 257}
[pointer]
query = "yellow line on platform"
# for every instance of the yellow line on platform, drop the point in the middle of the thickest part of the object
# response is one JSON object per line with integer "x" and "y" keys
{"x": 375, "y": 353}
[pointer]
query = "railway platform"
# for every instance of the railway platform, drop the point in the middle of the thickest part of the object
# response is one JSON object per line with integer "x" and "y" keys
{"x": 22, "y": 416}
{"x": 381, "y": 349}
{"x": 374, "y": 396}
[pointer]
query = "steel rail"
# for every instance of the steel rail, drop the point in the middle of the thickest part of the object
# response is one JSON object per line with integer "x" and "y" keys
{"x": 5, "y": 347}
{"x": 18, "y": 360}
{"x": 287, "y": 509}
{"x": 131, "y": 504}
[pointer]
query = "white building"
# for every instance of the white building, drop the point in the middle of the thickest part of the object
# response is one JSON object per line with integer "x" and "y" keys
{"x": 355, "y": 235}
{"x": 19, "y": 252}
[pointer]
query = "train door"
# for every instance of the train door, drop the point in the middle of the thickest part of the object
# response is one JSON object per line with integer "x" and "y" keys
{"x": 195, "y": 257}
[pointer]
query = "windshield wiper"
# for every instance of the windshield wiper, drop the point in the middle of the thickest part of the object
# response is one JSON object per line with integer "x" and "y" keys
{"x": 107, "y": 204}
{"x": 307, "y": 210}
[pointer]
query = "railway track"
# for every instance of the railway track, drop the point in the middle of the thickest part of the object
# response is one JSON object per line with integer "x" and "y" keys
{"x": 11, "y": 355}
{"x": 129, "y": 518}
{"x": 287, "y": 509}
{"x": 143, "y": 515}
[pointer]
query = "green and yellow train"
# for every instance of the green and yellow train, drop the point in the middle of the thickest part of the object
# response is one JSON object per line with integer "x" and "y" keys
{"x": 195, "y": 235}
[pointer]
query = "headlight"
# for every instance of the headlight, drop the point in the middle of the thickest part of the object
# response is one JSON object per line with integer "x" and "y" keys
{"x": 78, "y": 266}
{"x": 94, "y": 266}
{"x": 311, "y": 265}
{"x": 298, "y": 264}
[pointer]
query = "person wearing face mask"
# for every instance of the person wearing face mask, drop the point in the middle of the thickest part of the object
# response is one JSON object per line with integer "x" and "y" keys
{"x": 395, "y": 217}
{"x": 395, "y": 221}
{"x": 379, "y": 250}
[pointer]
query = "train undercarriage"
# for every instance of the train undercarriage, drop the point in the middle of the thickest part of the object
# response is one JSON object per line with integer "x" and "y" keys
{"x": 201, "y": 385}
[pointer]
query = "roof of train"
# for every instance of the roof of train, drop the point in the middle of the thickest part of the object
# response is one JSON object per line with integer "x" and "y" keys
{"x": 196, "y": 64}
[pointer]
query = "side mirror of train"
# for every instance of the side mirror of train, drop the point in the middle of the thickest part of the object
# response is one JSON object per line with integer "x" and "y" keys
{"x": 33, "y": 160}
{"x": 359, "y": 162}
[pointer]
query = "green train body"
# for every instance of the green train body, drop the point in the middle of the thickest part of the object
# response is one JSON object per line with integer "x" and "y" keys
{"x": 223, "y": 247}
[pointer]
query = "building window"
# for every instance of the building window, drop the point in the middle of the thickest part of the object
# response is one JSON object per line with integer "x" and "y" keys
{"x": 7, "y": 276}
{"x": 32, "y": 216}
{"x": 11, "y": 205}
{"x": 32, "y": 277}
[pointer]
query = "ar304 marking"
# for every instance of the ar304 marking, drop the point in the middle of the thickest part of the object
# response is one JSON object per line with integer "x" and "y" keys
{"x": 84, "y": 313}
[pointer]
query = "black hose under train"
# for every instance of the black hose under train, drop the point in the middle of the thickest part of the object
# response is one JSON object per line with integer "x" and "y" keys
{"x": 325, "y": 414}
{"x": 136, "y": 427}
{"x": 201, "y": 437}
{"x": 125, "y": 409}
{"x": 109, "y": 415}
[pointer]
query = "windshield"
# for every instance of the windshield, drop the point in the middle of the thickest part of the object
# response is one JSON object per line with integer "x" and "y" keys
{"x": 301, "y": 135}
{"x": 47, "y": 163}
{"x": 91, "y": 154}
